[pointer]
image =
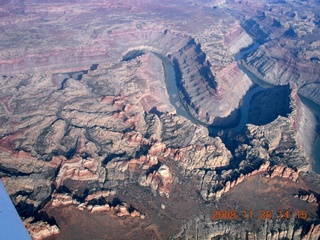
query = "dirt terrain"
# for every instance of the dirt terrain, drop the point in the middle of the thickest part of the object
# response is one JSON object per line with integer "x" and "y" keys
{"x": 92, "y": 146}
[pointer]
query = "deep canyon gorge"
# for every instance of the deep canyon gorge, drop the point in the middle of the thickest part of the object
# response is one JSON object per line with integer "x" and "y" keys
{"x": 139, "y": 119}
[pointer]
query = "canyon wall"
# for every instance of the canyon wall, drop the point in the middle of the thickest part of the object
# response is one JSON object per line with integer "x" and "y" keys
{"x": 211, "y": 97}
{"x": 267, "y": 105}
{"x": 311, "y": 91}
{"x": 278, "y": 66}
{"x": 290, "y": 52}
{"x": 90, "y": 137}
{"x": 307, "y": 130}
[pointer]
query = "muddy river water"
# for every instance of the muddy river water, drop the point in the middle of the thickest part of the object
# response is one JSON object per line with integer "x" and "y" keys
{"x": 244, "y": 105}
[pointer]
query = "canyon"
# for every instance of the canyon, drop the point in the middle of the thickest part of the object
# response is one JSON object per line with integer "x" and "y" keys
{"x": 138, "y": 119}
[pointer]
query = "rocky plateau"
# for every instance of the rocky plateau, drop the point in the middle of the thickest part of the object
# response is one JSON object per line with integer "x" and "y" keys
{"x": 92, "y": 146}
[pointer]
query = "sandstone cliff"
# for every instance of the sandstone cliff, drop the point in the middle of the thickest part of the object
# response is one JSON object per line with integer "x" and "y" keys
{"x": 88, "y": 135}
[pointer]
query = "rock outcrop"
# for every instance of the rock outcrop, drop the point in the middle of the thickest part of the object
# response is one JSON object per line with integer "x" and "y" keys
{"x": 119, "y": 210}
{"x": 280, "y": 139}
{"x": 97, "y": 202}
{"x": 284, "y": 172}
{"x": 78, "y": 169}
{"x": 205, "y": 95}
{"x": 311, "y": 92}
{"x": 62, "y": 199}
{"x": 280, "y": 72}
{"x": 230, "y": 184}
{"x": 290, "y": 54}
{"x": 41, "y": 230}
{"x": 310, "y": 198}
{"x": 211, "y": 83}
{"x": 204, "y": 228}
{"x": 271, "y": 172}
{"x": 83, "y": 124}
{"x": 97, "y": 134}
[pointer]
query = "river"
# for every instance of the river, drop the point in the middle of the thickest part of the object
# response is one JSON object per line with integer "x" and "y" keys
{"x": 244, "y": 106}
{"x": 172, "y": 89}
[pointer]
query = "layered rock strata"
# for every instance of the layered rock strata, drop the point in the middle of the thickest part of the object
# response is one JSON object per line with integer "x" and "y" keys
{"x": 204, "y": 228}
{"x": 279, "y": 142}
{"x": 97, "y": 134}
{"x": 291, "y": 53}
{"x": 81, "y": 129}
{"x": 211, "y": 83}
{"x": 308, "y": 197}
{"x": 41, "y": 230}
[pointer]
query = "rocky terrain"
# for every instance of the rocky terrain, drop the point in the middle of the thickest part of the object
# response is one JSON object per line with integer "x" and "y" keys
{"x": 291, "y": 50}
{"x": 91, "y": 146}
{"x": 109, "y": 42}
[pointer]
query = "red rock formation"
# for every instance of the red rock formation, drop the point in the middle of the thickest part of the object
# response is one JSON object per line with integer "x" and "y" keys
{"x": 62, "y": 199}
{"x": 313, "y": 233}
{"x": 94, "y": 129}
{"x": 119, "y": 210}
{"x": 230, "y": 184}
{"x": 159, "y": 180}
{"x": 81, "y": 170}
{"x": 284, "y": 172}
{"x": 275, "y": 171}
{"x": 99, "y": 194}
{"x": 41, "y": 230}
{"x": 310, "y": 198}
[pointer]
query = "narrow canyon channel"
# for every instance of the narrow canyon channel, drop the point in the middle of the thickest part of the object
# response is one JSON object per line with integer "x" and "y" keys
{"x": 172, "y": 89}
{"x": 244, "y": 107}
{"x": 315, "y": 108}
{"x": 316, "y": 155}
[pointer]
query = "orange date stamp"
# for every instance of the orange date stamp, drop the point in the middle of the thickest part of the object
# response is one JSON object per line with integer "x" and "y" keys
{"x": 266, "y": 214}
